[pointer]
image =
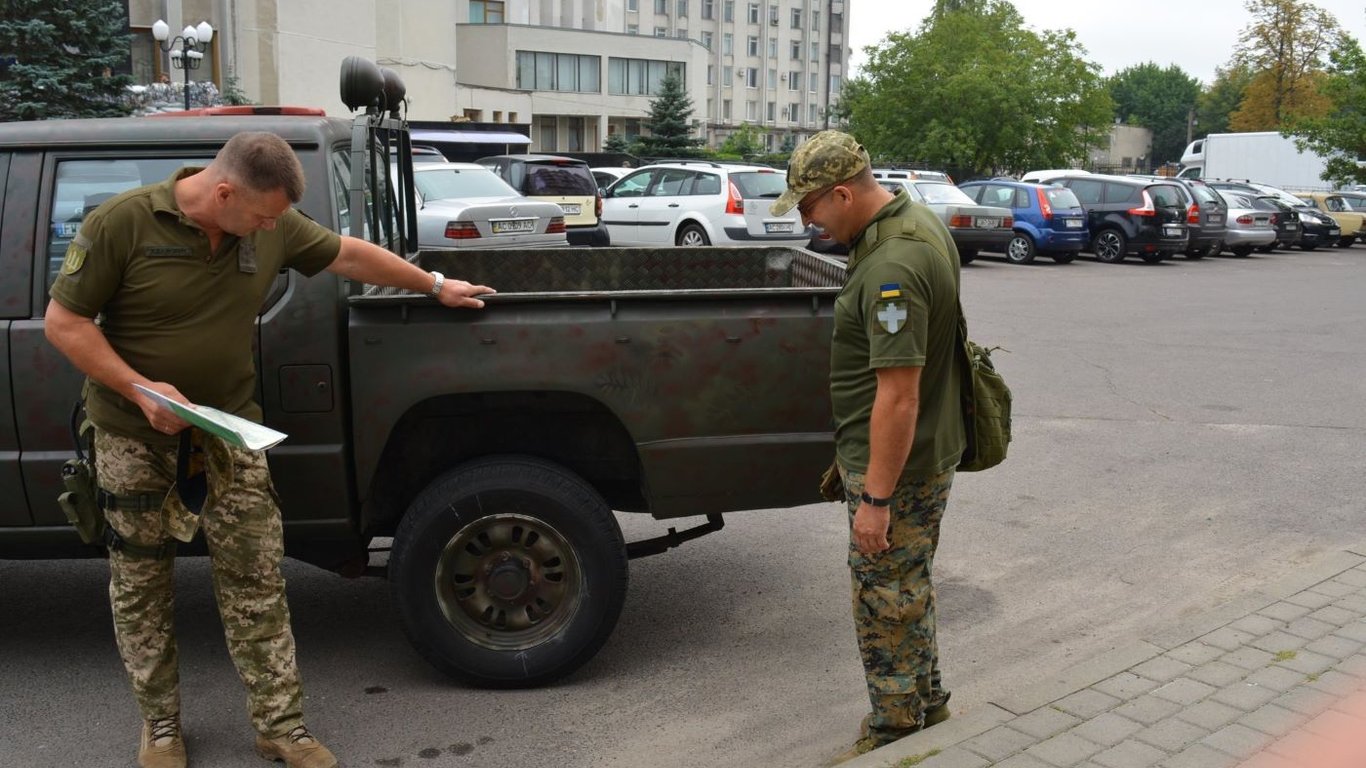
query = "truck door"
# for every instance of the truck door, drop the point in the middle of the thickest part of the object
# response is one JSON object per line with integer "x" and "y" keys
{"x": 16, "y": 231}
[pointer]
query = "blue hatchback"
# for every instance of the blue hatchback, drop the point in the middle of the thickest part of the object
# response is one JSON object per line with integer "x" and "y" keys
{"x": 1048, "y": 219}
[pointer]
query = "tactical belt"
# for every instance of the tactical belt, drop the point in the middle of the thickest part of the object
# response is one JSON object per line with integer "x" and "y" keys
{"x": 143, "y": 502}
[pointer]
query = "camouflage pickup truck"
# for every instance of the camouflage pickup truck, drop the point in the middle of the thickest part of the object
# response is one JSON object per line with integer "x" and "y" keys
{"x": 491, "y": 446}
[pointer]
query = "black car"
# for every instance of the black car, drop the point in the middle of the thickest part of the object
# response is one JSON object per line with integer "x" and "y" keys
{"x": 1206, "y": 215}
{"x": 1317, "y": 229}
{"x": 1288, "y": 230}
{"x": 1128, "y": 215}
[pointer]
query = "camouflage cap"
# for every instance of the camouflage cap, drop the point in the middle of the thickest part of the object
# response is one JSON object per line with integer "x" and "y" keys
{"x": 827, "y": 158}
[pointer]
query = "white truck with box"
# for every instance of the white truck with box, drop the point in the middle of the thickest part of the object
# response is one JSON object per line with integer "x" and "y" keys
{"x": 1266, "y": 157}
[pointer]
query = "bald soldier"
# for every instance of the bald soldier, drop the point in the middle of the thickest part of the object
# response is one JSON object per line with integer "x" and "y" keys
{"x": 176, "y": 272}
{"x": 895, "y": 390}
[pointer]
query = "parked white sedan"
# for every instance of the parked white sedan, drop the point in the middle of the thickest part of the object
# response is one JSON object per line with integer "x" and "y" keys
{"x": 464, "y": 205}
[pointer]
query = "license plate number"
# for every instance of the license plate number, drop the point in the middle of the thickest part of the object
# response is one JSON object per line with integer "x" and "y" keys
{"x": 1334, "y": 232}
{"x": 571, "y": 209}
{"x": 512, "y": 226}
{"x": 1216, "y": 219}
{"x": 777, "y": 227}
{"x": 1172, "y": 231}
{"x": 1074, "y": 223}
{"x": 985, "y": 223}
{"x": 66, "y": 228}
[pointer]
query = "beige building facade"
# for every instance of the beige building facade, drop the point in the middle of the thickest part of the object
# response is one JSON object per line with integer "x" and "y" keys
{"x": 576, "y": 71}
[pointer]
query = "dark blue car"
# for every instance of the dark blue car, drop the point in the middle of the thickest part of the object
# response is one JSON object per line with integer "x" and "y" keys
{"x": 1048, "y": 219}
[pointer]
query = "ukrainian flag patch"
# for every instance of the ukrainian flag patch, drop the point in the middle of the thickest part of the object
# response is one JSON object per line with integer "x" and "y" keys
{"x": 891, "y": 291}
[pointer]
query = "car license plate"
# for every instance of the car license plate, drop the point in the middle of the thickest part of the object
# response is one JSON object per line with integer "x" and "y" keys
{"x": 1216, "y": 219}
{"x": 1171, "y": 231}
{"x": 66, "y": 228}
{"x": 512, "y": 226}
{"x": 1334, "y": 232}
{"x": 571, "y": 209}
{"x": 1074, "y": 223}
{"x": 985, "y": 223}
{"x": 777, "y": 227}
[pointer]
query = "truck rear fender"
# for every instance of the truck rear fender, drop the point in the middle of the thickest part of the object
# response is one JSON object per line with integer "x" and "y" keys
{"x": 437, "y": 434}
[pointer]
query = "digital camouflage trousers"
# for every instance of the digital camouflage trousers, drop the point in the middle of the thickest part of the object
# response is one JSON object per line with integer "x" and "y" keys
{"x": 893, "y": 600}
{"x": 243, "y": 532}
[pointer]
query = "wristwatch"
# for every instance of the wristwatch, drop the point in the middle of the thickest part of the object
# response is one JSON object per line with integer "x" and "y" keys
{"x": 438, "y": 280}
{"x": 874, "y": 501}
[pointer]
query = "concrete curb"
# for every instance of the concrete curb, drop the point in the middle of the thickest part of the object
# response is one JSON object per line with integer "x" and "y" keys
{"x": 1009, "y": 705}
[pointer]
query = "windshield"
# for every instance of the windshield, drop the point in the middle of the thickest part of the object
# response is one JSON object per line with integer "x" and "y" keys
{"x": 457, "y": 183}
{"x": 756, "y": 184}
{"x": 1062, "y": 197}
{"x": 555, "y": 179}
{"x": 943, "y": 194}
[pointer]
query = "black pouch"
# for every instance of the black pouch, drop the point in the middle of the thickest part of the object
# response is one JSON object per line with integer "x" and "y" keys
{"x": 80, "y": 501}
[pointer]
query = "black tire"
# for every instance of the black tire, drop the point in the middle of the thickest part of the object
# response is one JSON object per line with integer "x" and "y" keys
{"x": 1241, "y": 251}
{"x": 1268, "y": 248}
{"x": 1152, "y": 257}
{"x": 1346, "y": 242}
{"x": 1020, "y": 249}
{"x": 1309, "y": 247}
{"x": 691, "y": 236}
{"x": 1063, "y": 257}
{"x": 966, "y": 255}
{"x": 1110, "y": 246}
{"x": 529, "y": 529}
{"x": 1195, "y": 254}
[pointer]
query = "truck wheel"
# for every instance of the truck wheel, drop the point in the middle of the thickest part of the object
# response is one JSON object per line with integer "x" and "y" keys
{"x": 692, "y": 235}
{"x": 1020, "y": 249}
{"x": 508, "y": 572}
{"x": 1110, "y": 246}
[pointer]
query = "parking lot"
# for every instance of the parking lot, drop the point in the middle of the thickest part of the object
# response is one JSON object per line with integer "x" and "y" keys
{"x": 1185, "y": 431}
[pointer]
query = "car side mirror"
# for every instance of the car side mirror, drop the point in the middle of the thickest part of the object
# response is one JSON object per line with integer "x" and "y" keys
{"x": 602, "y": 192}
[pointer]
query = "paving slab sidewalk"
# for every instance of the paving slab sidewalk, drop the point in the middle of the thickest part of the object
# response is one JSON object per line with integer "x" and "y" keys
{"x": 1275, "y": 679}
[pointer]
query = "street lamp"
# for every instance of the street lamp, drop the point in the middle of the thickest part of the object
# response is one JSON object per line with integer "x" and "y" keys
{"x": 187, "y": 55}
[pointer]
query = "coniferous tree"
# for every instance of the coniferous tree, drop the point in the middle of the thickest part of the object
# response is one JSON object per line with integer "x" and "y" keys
{"x": 57, "y": 59}
{"x": 670, "y": 116}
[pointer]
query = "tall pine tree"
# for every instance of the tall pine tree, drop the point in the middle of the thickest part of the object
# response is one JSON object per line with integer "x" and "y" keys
{"x": 57, "y": 59}
{"x": 670, "y": 115}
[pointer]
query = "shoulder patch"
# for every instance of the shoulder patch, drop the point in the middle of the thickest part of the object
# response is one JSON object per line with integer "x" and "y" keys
{"x": 75, "y": 258}
{"x": 891, "y": 315}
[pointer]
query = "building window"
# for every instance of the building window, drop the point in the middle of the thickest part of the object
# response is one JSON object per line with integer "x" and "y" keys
{"x": 836, "y": 53}
{"x": 640, "y": 77}
{"x": 773, "y": 47}
{"x": 706, "y": 40}
{"x": 814, "y": 115}
{"x": 794, "y": 112}
{"x": 486, "y": 11}
{"x": 548, "y": 135}
{"x": 816, "y": 51}
{"x": 815, "y": 82}
{"x": 708, "y": 9}
{"x": 727, "y": 76}
{"x": 682, "y": 9}
{"x": 751, "y": 110}
{"x": 772, "y": 78}
{"x": 834, "y": 83}
{"x": 753, "y": 13}
{"x": 575, "y": 134}
{"x": 773, "y": 15}
{"x": 729, "y": 10}
{"x": 752, "y": 46}
{"x": 681, "y": 33}
{"x": 661, "y": 6}
{"x": 796, "y": 49}
{"x": 632, "y": 5}
{"x": 711, "y": 108}
{"x": 711, "y": 74}
{"x": 794, "y": 80}
{"x": 725, "y": 109}
{"x": 538, "y": 71}
{"x": 796, "y": 18}
{"x": 752, "y": 77}
{"x": 632, "y": 29}
{"x": 772, "y": 111}
{"x": 815, "y": 21}
{"x": 727, "y": 43}
{"x": 661, "y": 32}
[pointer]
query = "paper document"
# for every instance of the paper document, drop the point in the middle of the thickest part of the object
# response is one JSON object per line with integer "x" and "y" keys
{"x": 234, "y": 429}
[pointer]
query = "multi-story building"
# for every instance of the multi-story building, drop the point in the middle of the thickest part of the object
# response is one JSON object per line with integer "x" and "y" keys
{"x": 577, "y": 71}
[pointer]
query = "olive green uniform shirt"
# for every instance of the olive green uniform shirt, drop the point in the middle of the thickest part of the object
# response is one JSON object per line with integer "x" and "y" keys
{"x": 899, "y": 308}
{"x": 173, "y": 310}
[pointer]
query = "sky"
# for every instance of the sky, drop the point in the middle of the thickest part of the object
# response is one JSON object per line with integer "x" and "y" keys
{"x": 1196, "y": 35}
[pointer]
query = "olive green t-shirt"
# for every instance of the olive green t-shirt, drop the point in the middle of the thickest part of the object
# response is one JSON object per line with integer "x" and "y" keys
{"x": 173, "y": 310}
{"x": 899, "y": 308}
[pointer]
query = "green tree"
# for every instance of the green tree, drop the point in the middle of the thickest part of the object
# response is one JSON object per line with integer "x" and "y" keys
{"x": 1221, "y": 99}
{"x": 670, "y": 118}
{"x": 1340, "y": 135}
{"x": 1159, "y": 99}
{"x": 58, "y": 59}
{"x": 974, "y": 90}
{"x": 615, "y": 142}
{"x": 1285, "y": 47}
{"x": 742, "y": 143}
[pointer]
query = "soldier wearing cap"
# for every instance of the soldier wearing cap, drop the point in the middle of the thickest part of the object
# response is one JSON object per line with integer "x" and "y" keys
{"x": 895, "y": 393}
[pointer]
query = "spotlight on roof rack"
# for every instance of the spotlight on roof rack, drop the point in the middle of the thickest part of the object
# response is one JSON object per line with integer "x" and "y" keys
{"x": 394, "y": 90}
{"x": 362, "y": 83}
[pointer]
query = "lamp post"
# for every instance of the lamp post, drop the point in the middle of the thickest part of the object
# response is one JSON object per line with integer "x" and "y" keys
{"x": 184, "y": 48}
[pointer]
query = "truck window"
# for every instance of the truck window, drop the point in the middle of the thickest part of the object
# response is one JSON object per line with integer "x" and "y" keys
{"x": 81, "y": 185}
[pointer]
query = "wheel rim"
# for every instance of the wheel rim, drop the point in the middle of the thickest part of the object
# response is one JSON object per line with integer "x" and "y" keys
{"x": 1107, "y": 247}
{"x": 508, "y": 582}
{"x": 693, "y": 238}
{"x": 1018, "y": 249}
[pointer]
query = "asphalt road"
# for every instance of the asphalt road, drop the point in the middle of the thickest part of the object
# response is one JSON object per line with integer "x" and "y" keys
{"x": 1184, "y": 432}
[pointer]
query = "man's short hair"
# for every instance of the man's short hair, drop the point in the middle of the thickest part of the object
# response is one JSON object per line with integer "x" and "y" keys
{"x": 262, "y": 162}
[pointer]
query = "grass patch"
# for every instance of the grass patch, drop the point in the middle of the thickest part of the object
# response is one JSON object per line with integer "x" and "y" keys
{"x": 913, "y": 760}
{"x": 1285, "y": 655}
{"x": 1312, "y": 678}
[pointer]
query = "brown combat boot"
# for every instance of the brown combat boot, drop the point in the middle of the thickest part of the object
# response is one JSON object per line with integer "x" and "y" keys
{"x": 161, "y": 745}
{"x": 297, "y": 749}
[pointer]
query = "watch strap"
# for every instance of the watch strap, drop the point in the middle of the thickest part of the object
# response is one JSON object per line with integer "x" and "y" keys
{"x": 874, "y": 501}
{"x": 438, "y": 280}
